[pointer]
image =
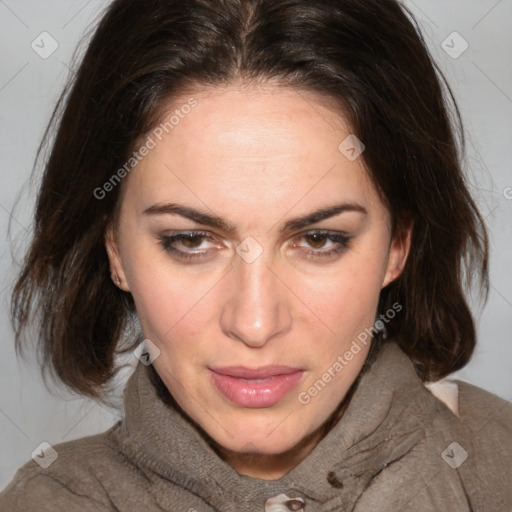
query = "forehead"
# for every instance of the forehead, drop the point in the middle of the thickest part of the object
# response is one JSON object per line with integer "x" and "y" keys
{"x": 258, "y": 145}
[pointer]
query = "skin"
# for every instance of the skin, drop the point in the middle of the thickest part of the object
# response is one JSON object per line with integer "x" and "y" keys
{"x": 256, "y": 157}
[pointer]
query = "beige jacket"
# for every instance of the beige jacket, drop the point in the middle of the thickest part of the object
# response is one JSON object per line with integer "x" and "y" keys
{"x": 396, "y": 448}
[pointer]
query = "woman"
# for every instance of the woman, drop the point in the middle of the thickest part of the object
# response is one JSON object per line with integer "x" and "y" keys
{"x": 273, "y": 190}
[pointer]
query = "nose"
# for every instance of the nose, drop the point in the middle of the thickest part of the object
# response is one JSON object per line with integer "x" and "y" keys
{"x": 257, "y": 309}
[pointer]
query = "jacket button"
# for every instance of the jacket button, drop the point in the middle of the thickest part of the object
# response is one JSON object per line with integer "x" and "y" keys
{"x": 283, "y": 503}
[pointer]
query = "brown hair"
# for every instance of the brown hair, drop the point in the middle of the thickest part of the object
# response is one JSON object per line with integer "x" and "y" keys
{"x": 368, "y": 56}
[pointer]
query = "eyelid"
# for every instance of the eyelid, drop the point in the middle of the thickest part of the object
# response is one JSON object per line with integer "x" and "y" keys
{"x": 167, "y": 242}
{"x": 340, "y": 241}
{"x": 176, "y": 235}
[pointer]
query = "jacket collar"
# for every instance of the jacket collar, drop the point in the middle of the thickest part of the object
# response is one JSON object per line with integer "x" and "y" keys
{"x": 385, "y": 418}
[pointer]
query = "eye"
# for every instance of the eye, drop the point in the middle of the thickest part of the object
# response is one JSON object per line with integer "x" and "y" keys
{"x": 190, "y": 245}
{"x": 326, "y": 244}
{"x": 187, "y": 240}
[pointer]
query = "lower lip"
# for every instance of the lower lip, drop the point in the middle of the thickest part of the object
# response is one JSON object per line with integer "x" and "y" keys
{"x": 247, "y": 393}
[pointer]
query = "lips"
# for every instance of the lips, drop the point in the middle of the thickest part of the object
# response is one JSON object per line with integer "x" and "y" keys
{"x": 242, "y": 372}
{"x": 255, "y": 387}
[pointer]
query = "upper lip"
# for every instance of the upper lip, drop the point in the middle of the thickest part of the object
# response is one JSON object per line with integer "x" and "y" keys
{"x": 255, "y": 373}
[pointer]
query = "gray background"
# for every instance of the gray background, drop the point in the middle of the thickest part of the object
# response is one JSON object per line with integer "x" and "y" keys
{"x": 29, "y": 85}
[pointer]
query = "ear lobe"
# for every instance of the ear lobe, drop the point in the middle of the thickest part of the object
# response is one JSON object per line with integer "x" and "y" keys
{"x": 114, "y": 257}
{"x": 398, "y": 252}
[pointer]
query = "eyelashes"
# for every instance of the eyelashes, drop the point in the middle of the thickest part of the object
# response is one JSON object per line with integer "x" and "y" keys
{"x": 339, "y": 243}
{"x": 168, "y": 243}
{"x": 193, "y": 240}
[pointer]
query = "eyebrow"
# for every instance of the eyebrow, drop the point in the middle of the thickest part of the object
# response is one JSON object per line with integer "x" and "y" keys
{"x": 214, "y": 221}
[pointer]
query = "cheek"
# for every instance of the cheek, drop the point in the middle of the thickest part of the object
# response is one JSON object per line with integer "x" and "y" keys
{"x": 349, "y": 293}
{"x": 170, "y": 303}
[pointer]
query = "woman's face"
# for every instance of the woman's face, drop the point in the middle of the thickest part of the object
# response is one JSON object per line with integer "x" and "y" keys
{"x": 265, "y": 280}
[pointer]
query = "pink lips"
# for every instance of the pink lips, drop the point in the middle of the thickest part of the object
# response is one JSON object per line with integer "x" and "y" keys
{"x": 261, "y": 387}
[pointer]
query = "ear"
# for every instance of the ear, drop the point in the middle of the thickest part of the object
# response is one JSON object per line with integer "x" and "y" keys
{"x": 399, "y": 250}
{"x": 114, "y": 257}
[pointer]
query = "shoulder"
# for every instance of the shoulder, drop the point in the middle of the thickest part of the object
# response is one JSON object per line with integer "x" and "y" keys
{"x": 487, "y": 416}
{"x": 70, "y": 479}
{"x": 476, "y": 407}
{"x": 479, "y": 435}
{"x": 487, "y": 419}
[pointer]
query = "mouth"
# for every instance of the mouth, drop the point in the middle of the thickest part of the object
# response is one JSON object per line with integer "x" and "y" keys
{"x": 255, "y": 387}
{"x": 263, "y": 372}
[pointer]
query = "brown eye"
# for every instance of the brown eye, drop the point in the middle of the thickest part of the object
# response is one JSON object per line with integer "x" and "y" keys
{"x": 316, "y": 240}
{"x": 190, "y": 240}
{"x": 336, "y": 243}
{"x": 180, "y": 245}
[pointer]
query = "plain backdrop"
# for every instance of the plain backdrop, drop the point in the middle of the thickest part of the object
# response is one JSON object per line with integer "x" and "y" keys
{"x": 470, "y": 39}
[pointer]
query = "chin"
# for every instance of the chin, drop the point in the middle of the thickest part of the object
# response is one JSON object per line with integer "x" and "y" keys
{"x": 265, "y": 440}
